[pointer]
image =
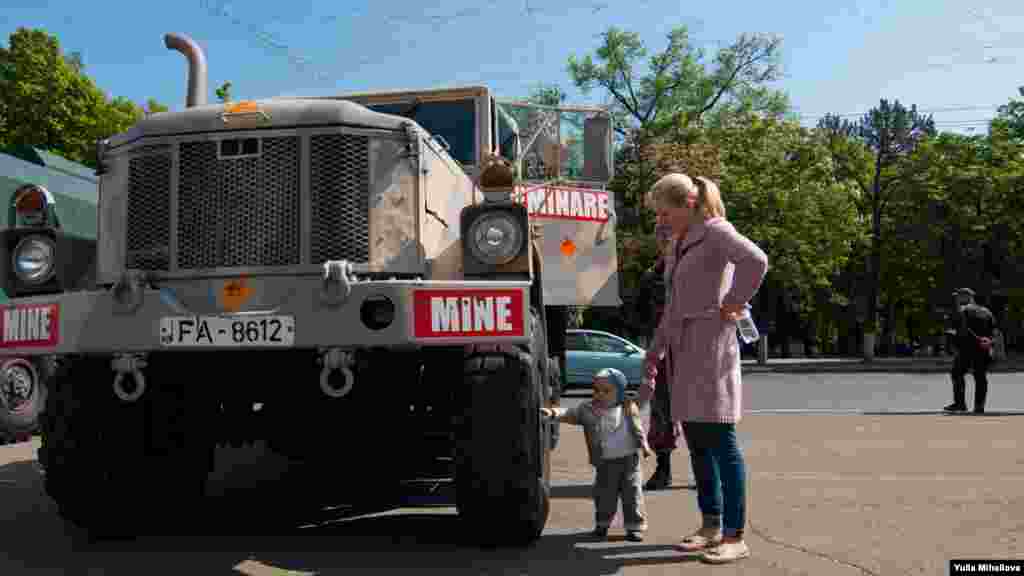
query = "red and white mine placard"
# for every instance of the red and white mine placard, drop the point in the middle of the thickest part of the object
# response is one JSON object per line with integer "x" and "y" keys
{"x": 461, "y": 313}
{"x": 564, "y": 202}
{"x": 29, "y": 325}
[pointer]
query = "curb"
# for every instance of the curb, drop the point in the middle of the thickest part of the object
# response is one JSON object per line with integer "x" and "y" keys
{"x": 862, "y": 412}
{"x": 854, "y": 366}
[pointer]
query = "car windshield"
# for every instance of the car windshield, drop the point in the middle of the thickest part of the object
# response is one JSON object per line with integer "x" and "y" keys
{"x": 575, "y": 342}
{"x": 452, "y": 121}
{"x": 600, "y": 343}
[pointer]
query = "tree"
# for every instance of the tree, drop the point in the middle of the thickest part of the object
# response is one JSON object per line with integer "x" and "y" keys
{"x": 154, "y": 107}
{"x": 47, "y": 101}
{"x": 780, "y": 189}
{"x": 660, "y": 104}
{"x": 783, "y": 194}
{"x": 869, "y": 153}
{"x": 676, "y": 87}
{"x": 671, "y": 92}
{"x": 1008, "y": 124}
{"x": 547, "y": 94}
{"x": 224, "y": 92}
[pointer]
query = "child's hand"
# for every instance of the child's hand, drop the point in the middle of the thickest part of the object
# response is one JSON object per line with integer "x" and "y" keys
{"x": 547, "y": 412}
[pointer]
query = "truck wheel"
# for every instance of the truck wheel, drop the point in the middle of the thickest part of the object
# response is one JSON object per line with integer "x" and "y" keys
{"x": 115, "y": 468}
{"x": 23, "y": 392}
{"x": 502, "y": 451}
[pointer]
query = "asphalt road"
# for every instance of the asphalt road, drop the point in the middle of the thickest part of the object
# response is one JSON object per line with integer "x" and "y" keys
{"x": 861, "y": 392}
{"x": 264, "y": 517}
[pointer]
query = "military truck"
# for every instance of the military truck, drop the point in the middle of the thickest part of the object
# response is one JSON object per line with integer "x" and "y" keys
{"x": 46, "y": 246}
{"x": 328, "y": 276}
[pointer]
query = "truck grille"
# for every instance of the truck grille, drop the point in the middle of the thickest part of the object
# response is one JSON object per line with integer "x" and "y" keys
{"x": 149, "y": 211}
{"x": 239, "y": 211}
{"x": 246, "y": 211}
{"x": 339, "y": 181}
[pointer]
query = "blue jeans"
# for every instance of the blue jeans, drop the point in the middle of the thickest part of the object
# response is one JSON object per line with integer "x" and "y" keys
{"x": 720, "y": 473}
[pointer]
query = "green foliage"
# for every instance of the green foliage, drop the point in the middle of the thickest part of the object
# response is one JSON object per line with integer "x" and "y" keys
{"x": 547, "y": 94}
{"x": 871, "y": 154}
{"x": 47, "y": 101}
{"x": 661, "y": 104}
{"x": 224, "y": 92}
{"x": 674, "y": 88}
{"x": 670, "y": 95}
{"x": 154, "y": 107}
{"x": 1009, "y": 122}
{"x": 958, "y": 215}
{"x": 779, "y": 184}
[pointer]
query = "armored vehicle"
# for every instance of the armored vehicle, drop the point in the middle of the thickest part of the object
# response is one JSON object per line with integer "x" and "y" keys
{"x": 358, "y": 280}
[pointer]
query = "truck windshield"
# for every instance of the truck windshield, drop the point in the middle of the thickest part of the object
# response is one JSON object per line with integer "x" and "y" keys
{"x": 453, "y": 121}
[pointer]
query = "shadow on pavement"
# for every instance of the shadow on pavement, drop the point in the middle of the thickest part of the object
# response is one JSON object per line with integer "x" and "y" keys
{"x": 586, "y": 491}
{"x": 261, "y": 531}
{"x": 434, "y": 543}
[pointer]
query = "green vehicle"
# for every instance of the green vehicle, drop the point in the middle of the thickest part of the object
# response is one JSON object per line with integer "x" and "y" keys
{"x": 47, "y": 245}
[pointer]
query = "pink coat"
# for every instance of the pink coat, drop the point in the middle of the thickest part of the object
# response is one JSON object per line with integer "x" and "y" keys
{"x": 720, "y": 266}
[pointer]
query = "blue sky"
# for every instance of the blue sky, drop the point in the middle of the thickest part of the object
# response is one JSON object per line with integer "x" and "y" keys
{"x": 840, "y": 57}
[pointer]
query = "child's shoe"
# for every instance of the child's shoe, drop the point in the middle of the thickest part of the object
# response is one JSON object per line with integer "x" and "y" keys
{"x": 600, "y": 532}
{"x": 635, "y": 536}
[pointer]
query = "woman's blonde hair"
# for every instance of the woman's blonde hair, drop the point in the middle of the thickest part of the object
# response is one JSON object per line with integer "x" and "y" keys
{"x": 673, "y": 189}
{"x": 710, "y": 198}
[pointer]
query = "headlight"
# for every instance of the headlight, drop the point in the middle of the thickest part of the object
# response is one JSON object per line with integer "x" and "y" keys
{"x": 495, "y": 238}
{"x": 34, "y": 259}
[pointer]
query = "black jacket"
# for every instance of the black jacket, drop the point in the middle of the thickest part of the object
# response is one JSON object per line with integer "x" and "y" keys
{"x": 972, "y": 322}
{"x": 650, "y": 296}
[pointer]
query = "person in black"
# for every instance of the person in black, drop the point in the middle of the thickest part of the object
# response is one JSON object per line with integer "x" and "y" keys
{"x": 975, "y": 327}
{"x": 663, "y": 432}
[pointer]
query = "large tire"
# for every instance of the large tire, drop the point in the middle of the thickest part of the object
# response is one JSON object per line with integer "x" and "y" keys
{"x": 23, "y": 392}
{"x": 502, "y": 455}
{"x": 115, "y": 468}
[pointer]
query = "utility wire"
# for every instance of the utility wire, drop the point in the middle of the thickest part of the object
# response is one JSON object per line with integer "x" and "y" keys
{"x": 919, "y": 110}
{"x": 303, "y": 64}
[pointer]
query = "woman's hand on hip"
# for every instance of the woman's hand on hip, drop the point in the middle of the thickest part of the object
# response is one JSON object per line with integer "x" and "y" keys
{"x": 651, "y": 363}
{"x": 732, "y": 312}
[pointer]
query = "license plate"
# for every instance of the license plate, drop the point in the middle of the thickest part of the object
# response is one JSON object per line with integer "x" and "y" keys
{"x": 227, "y": 331}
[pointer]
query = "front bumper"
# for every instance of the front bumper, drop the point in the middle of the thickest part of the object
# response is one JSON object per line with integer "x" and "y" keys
{"x": 426, "y": 313}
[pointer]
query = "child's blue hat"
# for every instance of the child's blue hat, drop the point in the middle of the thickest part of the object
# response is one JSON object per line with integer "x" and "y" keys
{"x": 615, "y": 376}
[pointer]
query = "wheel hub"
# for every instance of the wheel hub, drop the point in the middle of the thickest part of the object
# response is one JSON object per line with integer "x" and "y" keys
{"x": 18, "y": 385}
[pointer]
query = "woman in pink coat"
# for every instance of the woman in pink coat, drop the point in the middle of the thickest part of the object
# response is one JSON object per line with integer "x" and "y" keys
{"x": 713, "y": 272}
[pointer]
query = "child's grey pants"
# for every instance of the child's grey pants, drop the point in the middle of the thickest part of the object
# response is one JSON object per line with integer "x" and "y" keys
{"x": 620, "y": 477}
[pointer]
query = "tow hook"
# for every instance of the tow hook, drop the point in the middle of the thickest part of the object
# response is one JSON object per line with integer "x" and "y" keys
{"x": 340, "y": 360}
{"x": 128, "y": 291}
{"x": 337, "y": 282}
{"x": 129, "y": 365}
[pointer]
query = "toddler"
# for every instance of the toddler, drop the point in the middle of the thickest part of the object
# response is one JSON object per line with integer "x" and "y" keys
{"x": 615, "y": 438}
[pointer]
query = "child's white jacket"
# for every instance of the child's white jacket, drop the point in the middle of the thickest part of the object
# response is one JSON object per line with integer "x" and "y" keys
{"x": 584, "y": 415}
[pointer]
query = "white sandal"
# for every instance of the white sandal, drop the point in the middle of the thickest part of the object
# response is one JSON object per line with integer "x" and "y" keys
{"x": 726, "y": 552}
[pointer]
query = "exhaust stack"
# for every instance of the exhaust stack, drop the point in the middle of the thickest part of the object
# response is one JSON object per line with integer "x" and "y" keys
{"x": 196, "y": 67}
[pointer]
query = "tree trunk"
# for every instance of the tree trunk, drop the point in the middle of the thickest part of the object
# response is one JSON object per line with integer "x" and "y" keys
{"x": 874, "y": 269}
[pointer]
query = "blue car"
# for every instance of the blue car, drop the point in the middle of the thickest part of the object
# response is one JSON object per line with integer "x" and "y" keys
{"x": 588, "y": 351}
